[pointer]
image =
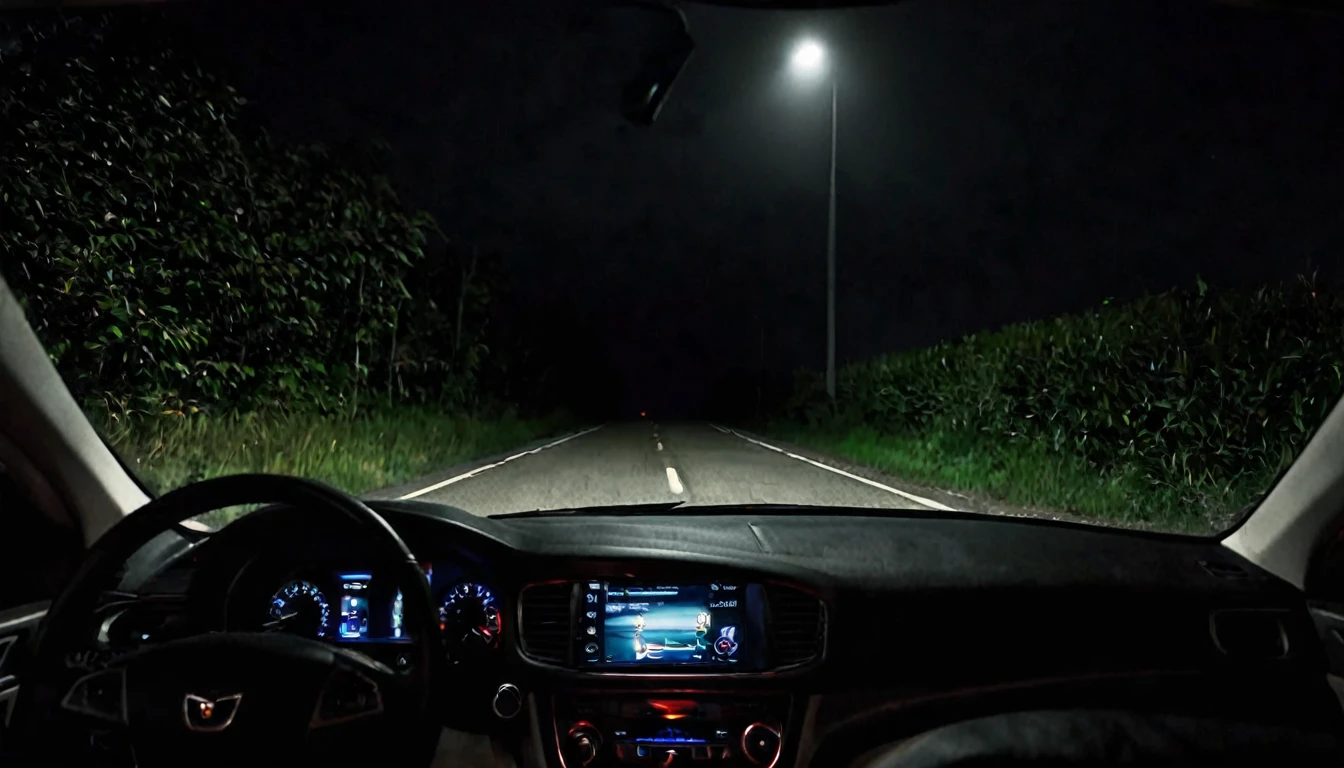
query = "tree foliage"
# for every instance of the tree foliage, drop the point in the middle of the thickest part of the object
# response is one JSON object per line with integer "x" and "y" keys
{"x": 172, "y": 260}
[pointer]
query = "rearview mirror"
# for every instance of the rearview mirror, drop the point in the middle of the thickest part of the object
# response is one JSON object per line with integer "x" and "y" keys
{"x": 666, "y": 49}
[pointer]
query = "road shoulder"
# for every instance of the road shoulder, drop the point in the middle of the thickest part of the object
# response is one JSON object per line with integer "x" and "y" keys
{"x": 965, "y": 502}
{"x": 434, "y": 478}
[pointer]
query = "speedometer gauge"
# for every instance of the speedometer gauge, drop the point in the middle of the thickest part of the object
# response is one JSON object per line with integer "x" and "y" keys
{"x": 299, "y": 608}
{"x": 469, "y": 617}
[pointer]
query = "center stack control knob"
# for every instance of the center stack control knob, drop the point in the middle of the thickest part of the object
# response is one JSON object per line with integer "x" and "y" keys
{"x": 508, "y": 701}
{"x": 582, "y": 744}
{"x": 760, "y": 744}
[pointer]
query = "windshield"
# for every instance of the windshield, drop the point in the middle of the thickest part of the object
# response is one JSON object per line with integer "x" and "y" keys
{"x": 1072, "y": 260}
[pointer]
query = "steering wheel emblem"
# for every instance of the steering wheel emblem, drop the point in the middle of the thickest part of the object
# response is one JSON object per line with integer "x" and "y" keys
{"x": 209, "y": 716}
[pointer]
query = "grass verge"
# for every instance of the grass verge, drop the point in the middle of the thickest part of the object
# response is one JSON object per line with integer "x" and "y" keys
{"x": 356, "y": 454}
{"x": 1026, "y": 474}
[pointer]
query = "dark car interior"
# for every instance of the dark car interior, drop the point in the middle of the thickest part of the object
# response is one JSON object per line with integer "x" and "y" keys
{"x": 320, "y": 629}
{"x": 889, "y": 640}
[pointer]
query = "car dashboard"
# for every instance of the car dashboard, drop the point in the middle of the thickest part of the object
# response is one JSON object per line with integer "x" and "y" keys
{"x": 764, "y": 638}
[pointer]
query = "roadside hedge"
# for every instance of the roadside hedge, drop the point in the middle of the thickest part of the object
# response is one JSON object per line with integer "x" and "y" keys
{"x": 1200, "y": 391}
{"x": 173, "y": 261}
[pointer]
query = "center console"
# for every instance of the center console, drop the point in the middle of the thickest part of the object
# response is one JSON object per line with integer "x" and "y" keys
{"x": 670, "y": 672}
{"x": 669, "y": 729}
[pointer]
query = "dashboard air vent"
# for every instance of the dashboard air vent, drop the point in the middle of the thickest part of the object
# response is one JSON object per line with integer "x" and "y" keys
{"x": 797, "y": 625}
{"x": 7, "y": 644}
{"x": 1228, "y": 571}
{"x": 544, "y": 624}
{"x": 1250, "y": 635}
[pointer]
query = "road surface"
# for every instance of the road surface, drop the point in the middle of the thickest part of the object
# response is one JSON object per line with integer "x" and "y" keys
{"x": 646, "y": 463}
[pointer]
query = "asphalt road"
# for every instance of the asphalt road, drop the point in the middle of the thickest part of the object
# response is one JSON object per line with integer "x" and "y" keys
{"x": 643, "y": 463}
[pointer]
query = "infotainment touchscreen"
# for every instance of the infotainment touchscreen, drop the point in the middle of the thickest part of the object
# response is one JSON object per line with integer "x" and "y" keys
{"x": 714, "y": 624}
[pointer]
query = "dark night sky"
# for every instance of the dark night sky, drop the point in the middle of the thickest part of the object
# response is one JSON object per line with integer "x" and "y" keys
{"x": 1000, "y": 160}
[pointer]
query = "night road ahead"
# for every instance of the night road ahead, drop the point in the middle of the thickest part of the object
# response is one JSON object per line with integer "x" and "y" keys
{"x": 646, "y": 463}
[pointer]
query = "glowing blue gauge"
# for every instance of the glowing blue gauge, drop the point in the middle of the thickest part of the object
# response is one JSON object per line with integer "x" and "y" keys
{"x": 299, "y": 608}
{"x": 398, "y": 620}
{"x": 469, "y": 617}
{"x": 355, "y": 606}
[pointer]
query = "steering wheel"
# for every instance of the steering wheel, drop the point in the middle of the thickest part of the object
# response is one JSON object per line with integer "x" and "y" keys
{"x": 233, "y": 697}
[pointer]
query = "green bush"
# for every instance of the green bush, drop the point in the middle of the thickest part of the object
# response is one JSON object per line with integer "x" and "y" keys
{"x": 1190, "y": 397}
{"x": 377, "y": 448}
{"x": 174, "y": 262}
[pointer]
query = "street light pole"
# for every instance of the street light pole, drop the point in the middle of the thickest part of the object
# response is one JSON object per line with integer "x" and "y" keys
{"x": 809, "y": 61}
{"x": 830, "y": 262}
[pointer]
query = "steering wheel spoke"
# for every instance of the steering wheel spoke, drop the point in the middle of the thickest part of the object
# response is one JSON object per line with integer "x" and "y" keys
{"x": 353, "y": 691}
{"x": 99, "y": 695}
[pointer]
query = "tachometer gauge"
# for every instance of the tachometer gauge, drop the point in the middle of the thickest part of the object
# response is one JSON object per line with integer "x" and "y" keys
{"x": 299, "y": 608}
{"x": 469, "y": 617}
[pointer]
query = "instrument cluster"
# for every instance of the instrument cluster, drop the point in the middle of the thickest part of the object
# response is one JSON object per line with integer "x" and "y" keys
{"x": 363, "y": 606}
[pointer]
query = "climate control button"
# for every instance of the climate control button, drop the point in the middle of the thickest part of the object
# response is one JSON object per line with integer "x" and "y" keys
{"x": 582, "y": 744}
{"x": 760, "y": 744}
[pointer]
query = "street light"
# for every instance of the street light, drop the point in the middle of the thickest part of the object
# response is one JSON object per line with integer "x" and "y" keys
{"x": 809, "y": 58}
{"x": 809, "y": 62}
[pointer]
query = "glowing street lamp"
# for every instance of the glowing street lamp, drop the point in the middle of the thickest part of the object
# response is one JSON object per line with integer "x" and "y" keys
{"x": 809, "y": 59}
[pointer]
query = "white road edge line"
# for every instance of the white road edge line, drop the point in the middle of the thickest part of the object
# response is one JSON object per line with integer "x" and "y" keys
{"x": 930, "y": 503}
{"x": 479, "y": 470}
{"x": 673, "y": 481}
